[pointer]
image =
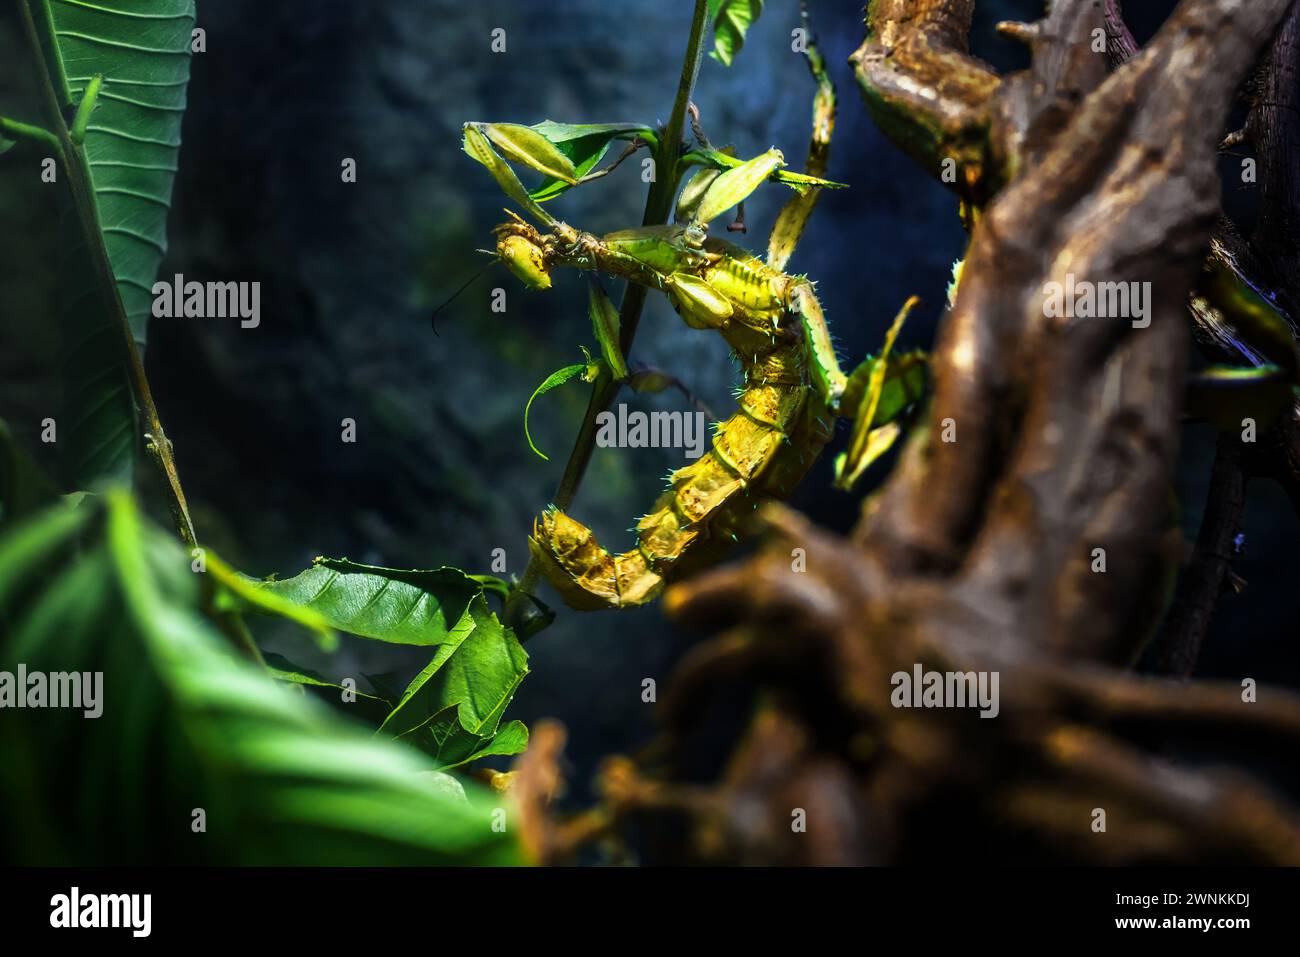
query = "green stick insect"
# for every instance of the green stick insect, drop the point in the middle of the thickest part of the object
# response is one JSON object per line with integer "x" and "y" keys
{"x": 792, "y": 385}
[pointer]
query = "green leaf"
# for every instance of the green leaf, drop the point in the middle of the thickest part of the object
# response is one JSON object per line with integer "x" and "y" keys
{"x": 872, "y": 434}
{"x": 141, "y": 49}
{"x": 451, "y": 746}
{"x": 525, "y": 145}
{"x": 477, "y": 670}
{"x": 734, "y": 185}
{"x": 368, "y": 707}
{"x": 799, "y": 182}
{"x": 585, "y": 145}
{"x": 904, "y": 385}
{"x": 605, "y": 324}
{"x": 478, "y": 147}
{"x": 688, "y": 200}
{"x": 185, "y": 724}
{"x": 399, "y": 606}
{"x": 731, "y": 21}
{"x": 249, "y": 594}
{"x": 554, "y": 380}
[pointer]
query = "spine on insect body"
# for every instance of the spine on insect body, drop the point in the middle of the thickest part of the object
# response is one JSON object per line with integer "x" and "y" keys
{"x": 764, "y": 448}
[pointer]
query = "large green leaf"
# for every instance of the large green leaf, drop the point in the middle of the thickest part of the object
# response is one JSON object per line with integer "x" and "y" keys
{"x": 186, "y": 724}
{"x": 125, "y": 169}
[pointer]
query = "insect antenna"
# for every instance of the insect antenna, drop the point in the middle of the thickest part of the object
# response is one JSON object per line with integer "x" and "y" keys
{"x": 433, "y": 319}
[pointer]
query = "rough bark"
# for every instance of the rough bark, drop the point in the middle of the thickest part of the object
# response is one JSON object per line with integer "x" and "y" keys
{"x": 981, "y": 554}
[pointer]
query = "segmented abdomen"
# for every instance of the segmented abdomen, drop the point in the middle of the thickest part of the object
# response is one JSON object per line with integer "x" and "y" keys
{"x": 772, "y": 438}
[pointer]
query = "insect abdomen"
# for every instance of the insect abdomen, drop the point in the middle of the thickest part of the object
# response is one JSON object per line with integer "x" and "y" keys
{"x": 744, "y": 446}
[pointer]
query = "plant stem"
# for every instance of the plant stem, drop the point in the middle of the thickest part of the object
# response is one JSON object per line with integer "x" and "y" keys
{"x": 657, "y": 208}
{"x": 74, "y": 168}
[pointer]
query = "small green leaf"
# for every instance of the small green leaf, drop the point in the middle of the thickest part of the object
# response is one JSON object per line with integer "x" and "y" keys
{"x": 451, "y": 746}
{"x": 688, "y": 201}
{"x": 871, "y": 436}
{"x": 605, "y": 324}
{"x": 525, "y": 145}
{"x": 585, "y": 145}
{"x": 734, "y": 185}
{"x": 799, "y": 182}
{"x": 554, "y": 380}
{"x": 731, "y": 21}
{"x": 478, "y": 147}
{"x": 478, "y": 669}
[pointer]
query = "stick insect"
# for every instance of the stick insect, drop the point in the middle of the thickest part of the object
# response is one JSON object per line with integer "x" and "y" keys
{"x": 792, "y": 387}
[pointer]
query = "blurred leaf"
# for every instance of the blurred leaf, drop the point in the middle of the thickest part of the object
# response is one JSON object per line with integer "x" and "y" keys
{"x": 129, "y": 156}
{"x": 187, "y": 725}
{"x": 1225, "y": 395}
{"x": 731, "y": 21}
{"x": 904, "y": 385}
{"x": 871, "y": 436}
{"x": 878, "y": 442}
{"x": 23, "y": 489}
{"x": 244, "y": 594}
{"x": 1256, "y": 320}
{"x": 368, "y": 707}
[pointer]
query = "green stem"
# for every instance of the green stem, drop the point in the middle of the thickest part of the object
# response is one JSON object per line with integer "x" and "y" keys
{"x": 25, "y": 131}
{"x": 658, "y": 206}
{"x": 74, "y": 167}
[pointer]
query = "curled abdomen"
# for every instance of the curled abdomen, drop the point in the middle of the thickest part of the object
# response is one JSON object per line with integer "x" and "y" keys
{"x": 702, "y": 500}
